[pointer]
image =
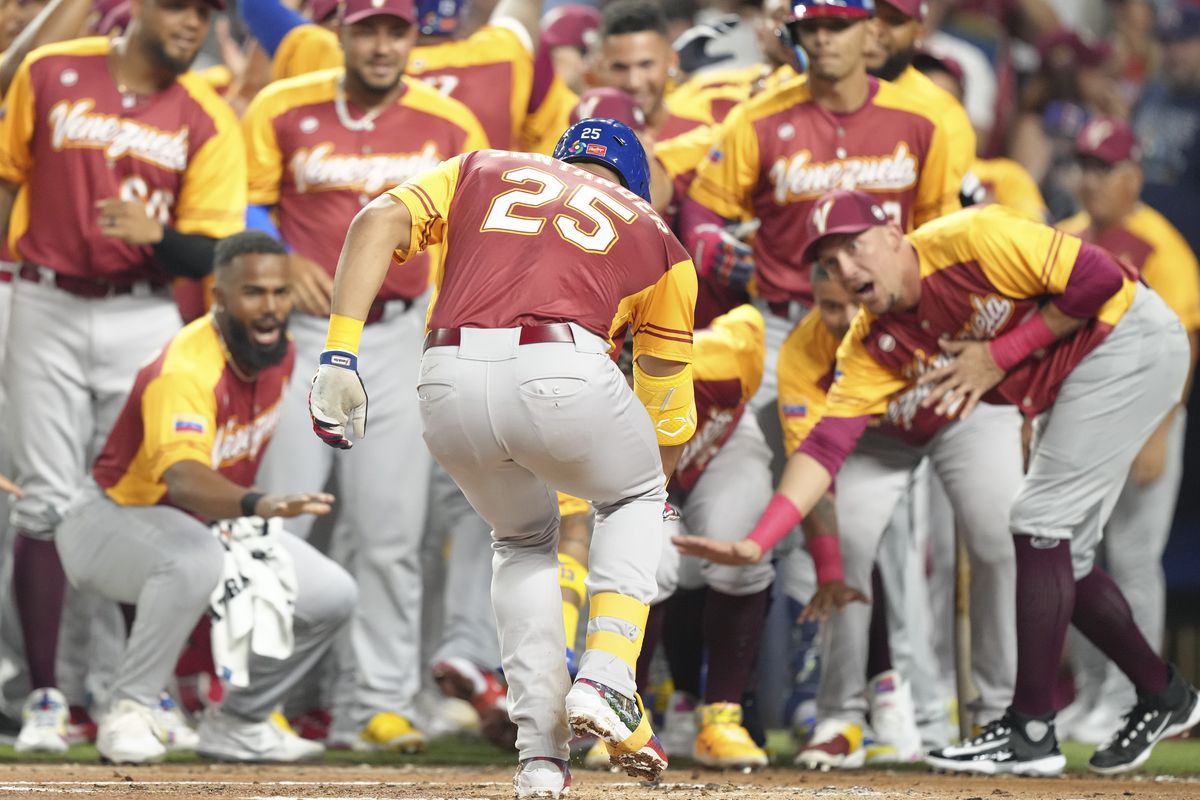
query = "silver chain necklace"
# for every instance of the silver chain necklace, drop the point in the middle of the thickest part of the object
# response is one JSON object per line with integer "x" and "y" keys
{"x": 365, "y": 123}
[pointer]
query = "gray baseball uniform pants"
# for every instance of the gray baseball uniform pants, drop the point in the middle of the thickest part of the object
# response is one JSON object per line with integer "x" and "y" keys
{"x": 979, "y": 462}
{"x": 166, "y": 563}
{"x": 725, "y": 503}
{"x": 511, "y": 424}
{"x": 383, "y": 489}
{"x": 1134, "y": 540}
{"x": 1106, "y": 409}
{"x": 68, "y": 368}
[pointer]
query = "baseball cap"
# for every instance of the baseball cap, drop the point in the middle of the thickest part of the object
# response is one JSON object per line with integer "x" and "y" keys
{"x": 924, "y": 60}
{"x": 320, "y": 10}
{"x": 610, "y": 103}
{"x": 1179, "y": 22}
{"x": 842, "y": 211}
{"x": 811, "y": 9}
{"x": 1065, "y": 49}
{"x": 1108, "y": 140}
{"x": 569, "y": 26}
{"x": 357, "y": 10}
{"x": 915, "y": 9}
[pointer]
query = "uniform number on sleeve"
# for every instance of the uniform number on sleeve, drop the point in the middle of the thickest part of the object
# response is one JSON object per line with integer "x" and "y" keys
{"x": 591, "y": 229}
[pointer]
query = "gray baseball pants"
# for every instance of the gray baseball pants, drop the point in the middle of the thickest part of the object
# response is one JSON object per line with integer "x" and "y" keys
{"x": 512, "y": 424}
{"x": 167, "y": 563}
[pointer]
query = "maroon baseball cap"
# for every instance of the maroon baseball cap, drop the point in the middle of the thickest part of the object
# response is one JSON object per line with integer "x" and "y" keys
{"x": 357, "y": 10}
{"x": 321, "y": 10}
{"x": 915, "y": 9}
{"x": 569, "y": 26}
{"x": 1066, "y": 49}
{"x": 842, "y": 211}
{"x": 611, "y": 103}
{"x": 811, "y": 9}
{"x": 1108, "y": 140}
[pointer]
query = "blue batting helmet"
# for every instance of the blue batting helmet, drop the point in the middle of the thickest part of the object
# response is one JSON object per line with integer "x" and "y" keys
{"x": 439, "y": 17}
{"x": 612, "y": 144}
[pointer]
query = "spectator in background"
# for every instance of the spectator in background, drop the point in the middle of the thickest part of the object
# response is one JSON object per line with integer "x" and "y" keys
{"x": 14, "y": 16}
{"x": 1074, "y": 84}
{"x": 1137, "y": 52}
{"x": 1167, "y": 123}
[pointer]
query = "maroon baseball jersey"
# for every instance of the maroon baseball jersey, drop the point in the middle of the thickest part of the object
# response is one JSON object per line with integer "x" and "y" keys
{"x": 190, "y": 404}
{"x": 69, "y": 138}
{"x": 318, "y": 173}
{"x": 780, "y": 151}
{"x": 531, "y": 240}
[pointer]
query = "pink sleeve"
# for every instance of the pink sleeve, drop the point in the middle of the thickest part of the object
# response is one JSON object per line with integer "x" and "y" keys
{"x": 832, "y": 439}
{"x": 1095, "y": 278}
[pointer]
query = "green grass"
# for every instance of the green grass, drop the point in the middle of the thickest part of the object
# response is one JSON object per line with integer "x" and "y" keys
{"x": 1179, "y": 757}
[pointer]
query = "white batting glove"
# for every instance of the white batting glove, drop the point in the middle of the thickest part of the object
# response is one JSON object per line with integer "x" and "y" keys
{"x": 338, "y": 397}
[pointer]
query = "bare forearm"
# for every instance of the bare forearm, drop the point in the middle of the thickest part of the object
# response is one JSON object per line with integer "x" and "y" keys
{"x": 822, "y": 519}
{"x": 804, "y": 482}
{"x": 670, "y": 455}
{"x": 381, "y": 228}
{"x": 203, "y": 491}
{"x": 58, "y": 21}
{"x": 1059, "y": 323}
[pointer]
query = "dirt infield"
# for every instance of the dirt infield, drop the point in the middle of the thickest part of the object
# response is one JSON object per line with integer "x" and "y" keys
{"x": 446, "y": 783}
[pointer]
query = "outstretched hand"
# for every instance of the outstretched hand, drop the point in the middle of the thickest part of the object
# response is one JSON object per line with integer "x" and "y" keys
{"x": 830, "y": 597}
{"x": 293, "y": 505}
{"x": 960, "y": 385}
{"x": 735, "y": 554}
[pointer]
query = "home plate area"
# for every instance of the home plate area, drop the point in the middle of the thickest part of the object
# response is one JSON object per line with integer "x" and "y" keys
{"x": 477, "y": 783}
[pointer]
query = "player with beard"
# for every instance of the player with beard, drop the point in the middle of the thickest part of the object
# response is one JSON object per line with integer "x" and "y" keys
{"x": 320, "y": 147}
{"x": 890, "y": 54}
{"x": 101, "y": 217}
{"x": 183, "y": 454}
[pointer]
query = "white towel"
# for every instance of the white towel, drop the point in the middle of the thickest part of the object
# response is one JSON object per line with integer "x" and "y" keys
{"x": 251, "y": 608}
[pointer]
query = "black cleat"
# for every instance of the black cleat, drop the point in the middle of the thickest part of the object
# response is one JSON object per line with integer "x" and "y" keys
{"x": 1012, "y": 745}
{"x": 1172, "y": 711}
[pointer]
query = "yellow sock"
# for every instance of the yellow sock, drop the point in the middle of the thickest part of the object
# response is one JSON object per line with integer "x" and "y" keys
{"x": 571, "y": 577}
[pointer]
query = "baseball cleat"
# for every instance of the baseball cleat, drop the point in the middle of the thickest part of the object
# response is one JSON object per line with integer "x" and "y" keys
{"x": 44, "y": 723}
{"x": 679, "y": 728}
{"x": 834, "y": 745}
{"x": 176, "y": 733}
{"x": 621, "y": 722}
{"x": 1173, "y": 711}
{"x": 542, "y": 777}
{"x": 723, "y": 743}
{"x": 459, "y": 678}
{"x": 129, "y": 734}
{"x": 894, "y": 720}
{"x": 1012, "y": 745}
{"x": 389, "y": 731}
{"x": 224, "y": 737}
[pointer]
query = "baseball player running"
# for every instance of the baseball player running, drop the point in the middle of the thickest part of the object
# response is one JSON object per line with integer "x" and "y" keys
{"x": 1137, "y": 531}
{"x": 953, "y": 309}
{"x": 519, "y": 398}
{"x": 182, "y": 454}
{"x": 870, "y": 485}
{"x": 157, "y": 169}
{"x": 319, "y": 147}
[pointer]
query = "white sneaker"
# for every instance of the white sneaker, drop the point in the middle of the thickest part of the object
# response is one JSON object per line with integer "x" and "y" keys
{"x": 224, "y": 737}
{"x": 176, "y": 733}
{"x": 129, "y": 734}
{"x": 542, "y": 777}
{"x": 894, "y": 720}
{"x": 679, "y": 728}
{"x": 44, "y": 725}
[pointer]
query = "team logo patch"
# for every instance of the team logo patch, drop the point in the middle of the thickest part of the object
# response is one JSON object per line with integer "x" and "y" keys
{"x": 886, "y": 343}
{"x": 795, "y": 411}
{"x": 189, "y": 424}
{"x": 715, "y": 155}
{"x": 786, "y": 131}
{"x": 69, "y": 77}
{"x": 596, "y": 150}
{"x": 309, "y": 125}
{"x": 576, "y": 147}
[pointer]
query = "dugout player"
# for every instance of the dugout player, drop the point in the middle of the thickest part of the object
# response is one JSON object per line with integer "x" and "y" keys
{"x": 490, "y": 71}
{"x": 182, "y": 454}
{"x": 319, "y": 148}
{"x": 870, "y": 485}
{"x": 953, "y": 310}
{"x": 1136, "y": 533}
{"x": 157, "y": 170}
{"x": 520, "y": 398}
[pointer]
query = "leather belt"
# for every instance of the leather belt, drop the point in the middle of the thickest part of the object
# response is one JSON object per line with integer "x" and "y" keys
{"x": 85, "y": 287}
{"x": 375, "y": 314}
{"x": 556, "y": 333}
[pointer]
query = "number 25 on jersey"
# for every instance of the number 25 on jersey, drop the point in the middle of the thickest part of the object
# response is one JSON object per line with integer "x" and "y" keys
{"x": 594, "y": 233}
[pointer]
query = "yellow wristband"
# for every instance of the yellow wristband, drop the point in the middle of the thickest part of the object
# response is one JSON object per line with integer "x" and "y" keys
{"x": 344, "y": 334}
